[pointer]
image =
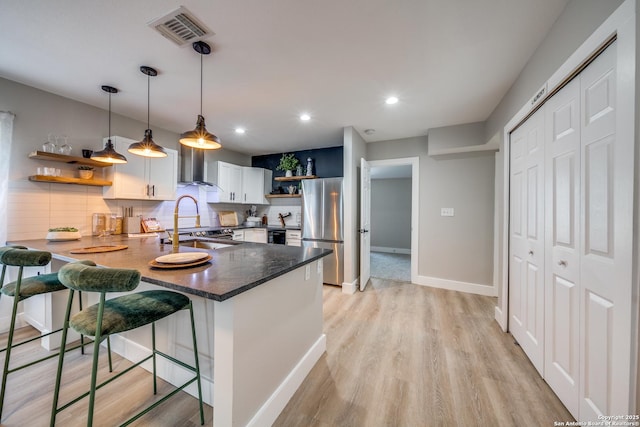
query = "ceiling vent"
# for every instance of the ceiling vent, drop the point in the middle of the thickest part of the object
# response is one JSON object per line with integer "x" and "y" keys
{"x": 181, "y": 27}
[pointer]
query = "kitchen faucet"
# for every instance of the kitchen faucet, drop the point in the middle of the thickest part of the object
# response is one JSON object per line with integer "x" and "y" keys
{"x": 176, "y": 239}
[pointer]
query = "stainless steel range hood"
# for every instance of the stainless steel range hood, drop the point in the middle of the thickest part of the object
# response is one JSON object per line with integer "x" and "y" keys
{"x": 192, "y": 167}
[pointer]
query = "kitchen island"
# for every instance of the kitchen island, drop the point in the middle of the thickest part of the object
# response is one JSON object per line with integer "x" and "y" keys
{"x": 258, "y": 311}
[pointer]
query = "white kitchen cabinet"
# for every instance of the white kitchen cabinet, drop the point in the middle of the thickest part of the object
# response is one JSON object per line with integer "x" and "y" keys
{"x": 142, "y": 178}
{"x": 229, "y": 183}
{"x": 293, "y": 237}
{"x": 238, "y": 235}
{"x": 257, "y": 235}
{"x": 240, "y": 184}
{"x": 256, "y": 182}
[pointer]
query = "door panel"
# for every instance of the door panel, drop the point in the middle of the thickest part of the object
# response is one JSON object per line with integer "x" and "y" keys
{"x": 606, "y": 297}
{"x": 562, "y": 192}
{"x": 365, "y": 223}
{"x": 526, "y": 242}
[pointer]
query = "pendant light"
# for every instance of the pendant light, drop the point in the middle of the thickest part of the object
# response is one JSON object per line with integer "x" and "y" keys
{"x": 109, "y": 154}
{"x": 146, "y": 147}
{"x": 200, "y": 137}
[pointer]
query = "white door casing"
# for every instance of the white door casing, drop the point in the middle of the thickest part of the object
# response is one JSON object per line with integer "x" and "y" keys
{"x": 526, "y": 270}
{"x": 562, "y": 253}
{"x": 365, "y": 223}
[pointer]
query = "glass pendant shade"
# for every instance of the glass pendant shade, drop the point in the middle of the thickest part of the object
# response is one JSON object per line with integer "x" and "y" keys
{"x": 200, "y": 137}
{"x": 109, "y": 154}
{"x": 147, "y": 147}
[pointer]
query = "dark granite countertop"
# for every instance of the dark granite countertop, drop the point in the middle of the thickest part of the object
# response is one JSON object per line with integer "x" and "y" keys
{"x": 231, "y": 271}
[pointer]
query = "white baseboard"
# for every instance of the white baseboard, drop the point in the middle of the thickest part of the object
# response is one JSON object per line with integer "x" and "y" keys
{"x": 391, "y": 250}
{"x": 500, "y": 319}
{"x": 454, "y": 285}
{"x": 272, "y": 408}
{"x": 168, "y": 371}
{"x": 350, "y": 288}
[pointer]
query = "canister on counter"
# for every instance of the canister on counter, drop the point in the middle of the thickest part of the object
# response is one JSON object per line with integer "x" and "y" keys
{"x": 118, "y": 225}
{"x": 98, "y": 224}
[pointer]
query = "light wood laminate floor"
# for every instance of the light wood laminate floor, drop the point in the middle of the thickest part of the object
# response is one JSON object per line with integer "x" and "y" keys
{"x": 398, "y": 354}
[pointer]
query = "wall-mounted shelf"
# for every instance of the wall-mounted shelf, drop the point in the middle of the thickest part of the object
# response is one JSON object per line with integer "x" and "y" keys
{"x": 282, "y": 196}
{"x": 294, "y": 178}
{"x": 72, "y": 160}
{"x": 65, "y": 180}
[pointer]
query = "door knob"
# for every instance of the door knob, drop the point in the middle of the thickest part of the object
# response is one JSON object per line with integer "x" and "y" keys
{"x": 531, "y": 253}
{"x": 562, "y": 263}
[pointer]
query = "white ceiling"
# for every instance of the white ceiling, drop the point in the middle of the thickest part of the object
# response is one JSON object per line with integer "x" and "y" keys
{"x": 448, "y": 61}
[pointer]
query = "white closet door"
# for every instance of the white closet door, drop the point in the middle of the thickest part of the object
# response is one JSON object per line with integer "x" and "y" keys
{"x": 526, "y": 269}
{"x": 607, "y": 191}
{"x": 562, "y": 253}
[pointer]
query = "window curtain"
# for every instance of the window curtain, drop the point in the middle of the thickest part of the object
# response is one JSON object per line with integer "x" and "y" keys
{"x": 6, "y": 135}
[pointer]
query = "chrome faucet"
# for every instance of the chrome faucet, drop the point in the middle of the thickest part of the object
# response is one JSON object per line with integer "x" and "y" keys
{"x": 176, "y": 239}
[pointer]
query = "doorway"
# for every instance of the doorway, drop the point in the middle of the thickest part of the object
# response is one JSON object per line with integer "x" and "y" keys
{"x": 394, "y": 231}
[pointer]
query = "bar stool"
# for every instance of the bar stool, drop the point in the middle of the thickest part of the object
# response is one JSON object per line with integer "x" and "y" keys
{"x": 119, "y": 314}
{"x": 21, "y": 289}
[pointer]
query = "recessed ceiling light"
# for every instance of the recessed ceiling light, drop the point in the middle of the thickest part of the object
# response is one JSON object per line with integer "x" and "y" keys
{"x": 305, "y": 117}
{"x": 369, "y": 131}
{"x": 239, "y": 130}
{"x": 391, "y": 100}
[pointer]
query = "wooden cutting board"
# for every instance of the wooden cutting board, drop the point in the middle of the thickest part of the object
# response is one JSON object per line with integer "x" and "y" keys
{"x": 98, "y": 249}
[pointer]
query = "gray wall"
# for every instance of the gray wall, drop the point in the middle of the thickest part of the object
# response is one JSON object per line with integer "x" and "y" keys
{"x": 456, "y": 136}
{"x": 458, "y": 248}
{"x": 391, "y": 213}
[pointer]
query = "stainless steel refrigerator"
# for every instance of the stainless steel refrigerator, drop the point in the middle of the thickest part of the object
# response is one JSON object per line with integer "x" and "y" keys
{"x": 322, "y": 223}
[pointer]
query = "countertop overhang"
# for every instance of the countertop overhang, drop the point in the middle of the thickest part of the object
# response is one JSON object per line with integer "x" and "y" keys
{"x": 231, "y": 271}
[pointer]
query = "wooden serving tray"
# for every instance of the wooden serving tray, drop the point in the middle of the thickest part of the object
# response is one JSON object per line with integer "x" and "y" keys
{"x": 156, "y": 264}
{"x": 98, "y": 249}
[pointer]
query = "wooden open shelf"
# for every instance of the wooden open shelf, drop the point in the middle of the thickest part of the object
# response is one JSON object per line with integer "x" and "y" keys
{"x": 282, "y": 196}
{"x": 65, "y": 180}
{"x": 72, "y": 160}
{"x": 294, "y": 178}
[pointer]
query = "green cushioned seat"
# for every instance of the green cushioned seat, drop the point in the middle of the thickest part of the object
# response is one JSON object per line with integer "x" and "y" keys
{"x": 129, "y": 312}
{"x": 19, "y": 257}
{"x": 34, "y": 285}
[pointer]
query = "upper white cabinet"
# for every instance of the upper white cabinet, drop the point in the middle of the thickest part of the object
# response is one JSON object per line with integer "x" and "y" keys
{"x": 142, "y": 178}
{"x": 256, "y": 182}
{"x": 229, "y": 182}
{"x": 240, "y": 184}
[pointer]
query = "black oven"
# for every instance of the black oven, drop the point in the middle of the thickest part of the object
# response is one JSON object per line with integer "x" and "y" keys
{"x": 277, "y": 237}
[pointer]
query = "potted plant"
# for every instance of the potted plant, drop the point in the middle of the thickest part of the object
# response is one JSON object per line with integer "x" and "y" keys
{"x": 288, "y": 163}
{"x": 85, "y": 172}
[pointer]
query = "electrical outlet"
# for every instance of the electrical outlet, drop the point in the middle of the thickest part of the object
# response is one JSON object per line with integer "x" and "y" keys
{"x": 446, "y": 212}
{"x": 320, "y": 266}
{"x": 307, "y": 272}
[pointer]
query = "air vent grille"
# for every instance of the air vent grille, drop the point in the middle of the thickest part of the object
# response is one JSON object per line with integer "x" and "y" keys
{"x": 181, "y": 27}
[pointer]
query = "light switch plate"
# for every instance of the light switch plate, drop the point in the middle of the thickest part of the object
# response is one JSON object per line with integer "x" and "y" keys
{"x": 446, "y": 211}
